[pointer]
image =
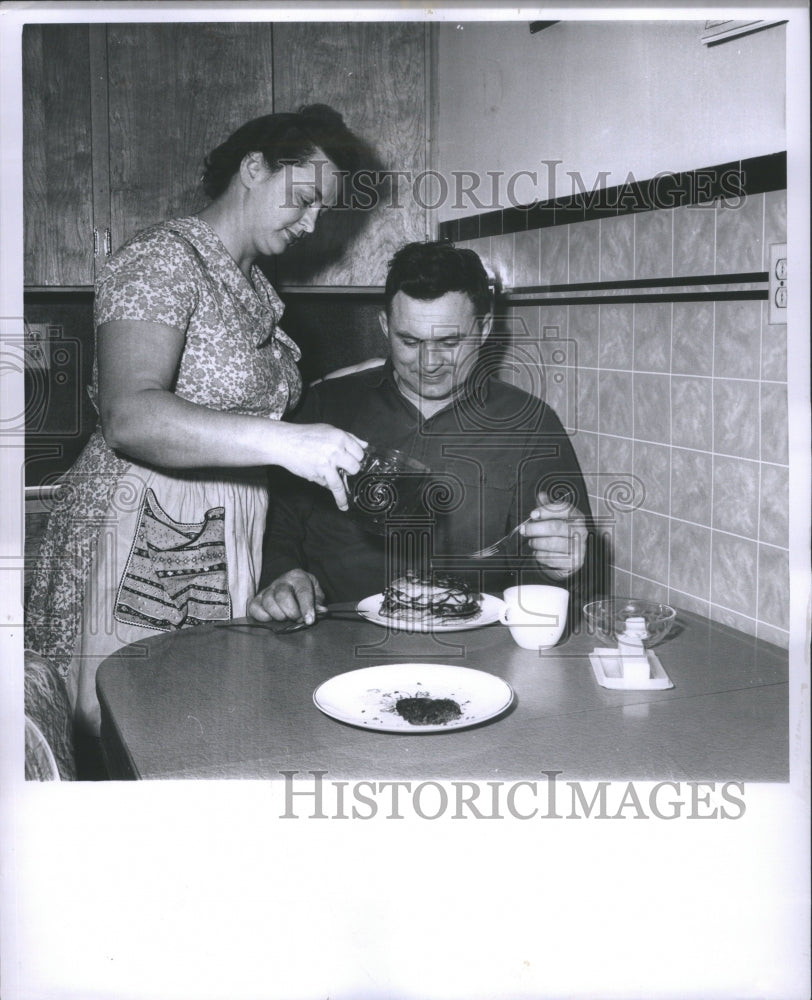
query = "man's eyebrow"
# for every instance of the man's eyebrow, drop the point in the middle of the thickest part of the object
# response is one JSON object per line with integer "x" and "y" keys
{"x": 446, "y": 335}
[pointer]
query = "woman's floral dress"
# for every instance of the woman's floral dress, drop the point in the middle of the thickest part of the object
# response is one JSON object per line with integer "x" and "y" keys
{"x": 131, "y": 549}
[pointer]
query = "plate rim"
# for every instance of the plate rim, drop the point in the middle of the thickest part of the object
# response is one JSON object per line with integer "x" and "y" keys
{"x": 459, "y": 626}
{"x": 417, "y": 731}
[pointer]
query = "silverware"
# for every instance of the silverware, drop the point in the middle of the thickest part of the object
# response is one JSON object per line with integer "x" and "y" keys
{"x": 272, "y": 626}
{"x": 285, "y": 628}
{"x": 491, "y": 550}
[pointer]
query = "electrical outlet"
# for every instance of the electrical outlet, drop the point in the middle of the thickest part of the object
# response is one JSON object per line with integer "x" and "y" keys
{"x": 778, "y": 283}
{"x": 37, "y": 347}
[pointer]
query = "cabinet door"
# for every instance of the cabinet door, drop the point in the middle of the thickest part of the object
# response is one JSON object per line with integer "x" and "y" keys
{"x": 57, "y": 153}
{"x": 375, "y": 75}
{"x": 175, "y": 92}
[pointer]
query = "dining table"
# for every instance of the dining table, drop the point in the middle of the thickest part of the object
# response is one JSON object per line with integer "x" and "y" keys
{"x": 237, "y": 702}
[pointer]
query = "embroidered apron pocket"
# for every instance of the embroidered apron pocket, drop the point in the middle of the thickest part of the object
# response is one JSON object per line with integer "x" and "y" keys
{"x": 176, "y": 574}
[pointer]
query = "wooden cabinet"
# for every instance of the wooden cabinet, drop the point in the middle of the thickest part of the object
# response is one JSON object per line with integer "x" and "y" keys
{"x": 375, "y": 75}
{"x": 118, "y": 119}
{"x": 176, "y": 91}
{"x": 57, "y": 155}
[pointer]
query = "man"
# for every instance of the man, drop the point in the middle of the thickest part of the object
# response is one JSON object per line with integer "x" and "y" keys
{"x": 501, "y": 456}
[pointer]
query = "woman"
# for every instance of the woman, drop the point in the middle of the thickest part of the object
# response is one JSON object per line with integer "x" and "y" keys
{"x": 159, "y": 525}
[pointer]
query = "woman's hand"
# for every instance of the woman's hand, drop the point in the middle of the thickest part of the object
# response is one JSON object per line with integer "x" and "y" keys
{"x": 142, "y": 418}
{"x": 320, "y": 453}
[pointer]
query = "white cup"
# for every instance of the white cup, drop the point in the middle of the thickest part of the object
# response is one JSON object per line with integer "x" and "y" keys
{"x": 536, "y": 615}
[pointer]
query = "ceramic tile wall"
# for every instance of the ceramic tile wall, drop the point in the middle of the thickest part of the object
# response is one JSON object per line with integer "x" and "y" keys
{"x": 678, "y": 411}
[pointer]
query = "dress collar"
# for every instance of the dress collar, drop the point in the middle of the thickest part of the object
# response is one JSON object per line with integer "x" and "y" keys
{"x": 257, "y": 297}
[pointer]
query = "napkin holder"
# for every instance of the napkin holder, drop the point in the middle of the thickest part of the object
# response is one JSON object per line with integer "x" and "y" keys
{"x": 607, "y": 665}
{"x": 630, "y": 667}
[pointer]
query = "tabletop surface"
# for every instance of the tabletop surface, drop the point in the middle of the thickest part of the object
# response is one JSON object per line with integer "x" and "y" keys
{"x": 211, "y": 702}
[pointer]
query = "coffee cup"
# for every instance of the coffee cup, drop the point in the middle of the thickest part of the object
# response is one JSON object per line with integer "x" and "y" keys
{"x": 535, "y": 614}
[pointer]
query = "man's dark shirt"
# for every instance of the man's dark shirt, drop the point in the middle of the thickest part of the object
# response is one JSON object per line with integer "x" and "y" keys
{"x": 493, "y": 450}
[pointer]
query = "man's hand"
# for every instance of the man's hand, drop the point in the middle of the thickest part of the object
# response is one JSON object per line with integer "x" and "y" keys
{"x": 557, "y": 535}
{"x": 294, "y": 596}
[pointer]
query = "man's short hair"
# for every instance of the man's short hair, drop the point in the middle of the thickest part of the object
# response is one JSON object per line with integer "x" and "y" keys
{"x": 429, "y": 270}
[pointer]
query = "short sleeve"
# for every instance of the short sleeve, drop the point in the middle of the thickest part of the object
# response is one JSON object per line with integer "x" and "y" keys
{"x": 153, "y": 279}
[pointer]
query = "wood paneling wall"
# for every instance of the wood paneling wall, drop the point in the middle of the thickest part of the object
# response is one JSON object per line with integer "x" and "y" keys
{"x": 375, "y": 75}
{"x": 167, "y": 111}
{"x": 57, "y": 152}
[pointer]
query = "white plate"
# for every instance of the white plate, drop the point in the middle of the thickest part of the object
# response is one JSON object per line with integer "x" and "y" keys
{"x": 488, "y": 613}
{"x": 367, "y": 697}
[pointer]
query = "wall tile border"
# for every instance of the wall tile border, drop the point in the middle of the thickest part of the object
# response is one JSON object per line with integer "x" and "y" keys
{"x": 754, "y": 175}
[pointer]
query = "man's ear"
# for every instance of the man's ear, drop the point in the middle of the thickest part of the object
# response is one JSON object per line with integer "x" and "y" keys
{"x": 485, "y": 327}
{"x": 383, "y": 319}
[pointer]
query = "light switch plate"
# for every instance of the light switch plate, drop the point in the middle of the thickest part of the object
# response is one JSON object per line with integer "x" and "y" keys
{"x": 778, "y": 283}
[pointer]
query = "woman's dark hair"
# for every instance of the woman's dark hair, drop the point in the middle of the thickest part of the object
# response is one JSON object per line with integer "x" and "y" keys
{"x": 283, "y": 138}
{"x": 429, "y": 270}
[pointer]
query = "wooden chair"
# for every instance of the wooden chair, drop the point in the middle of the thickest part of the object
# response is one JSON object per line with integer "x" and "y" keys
{"x": 350, "y": 369}
{"x": 49, "y": 747}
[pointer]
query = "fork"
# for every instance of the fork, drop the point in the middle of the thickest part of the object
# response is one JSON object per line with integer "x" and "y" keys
{"x": 491, "y": 550}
